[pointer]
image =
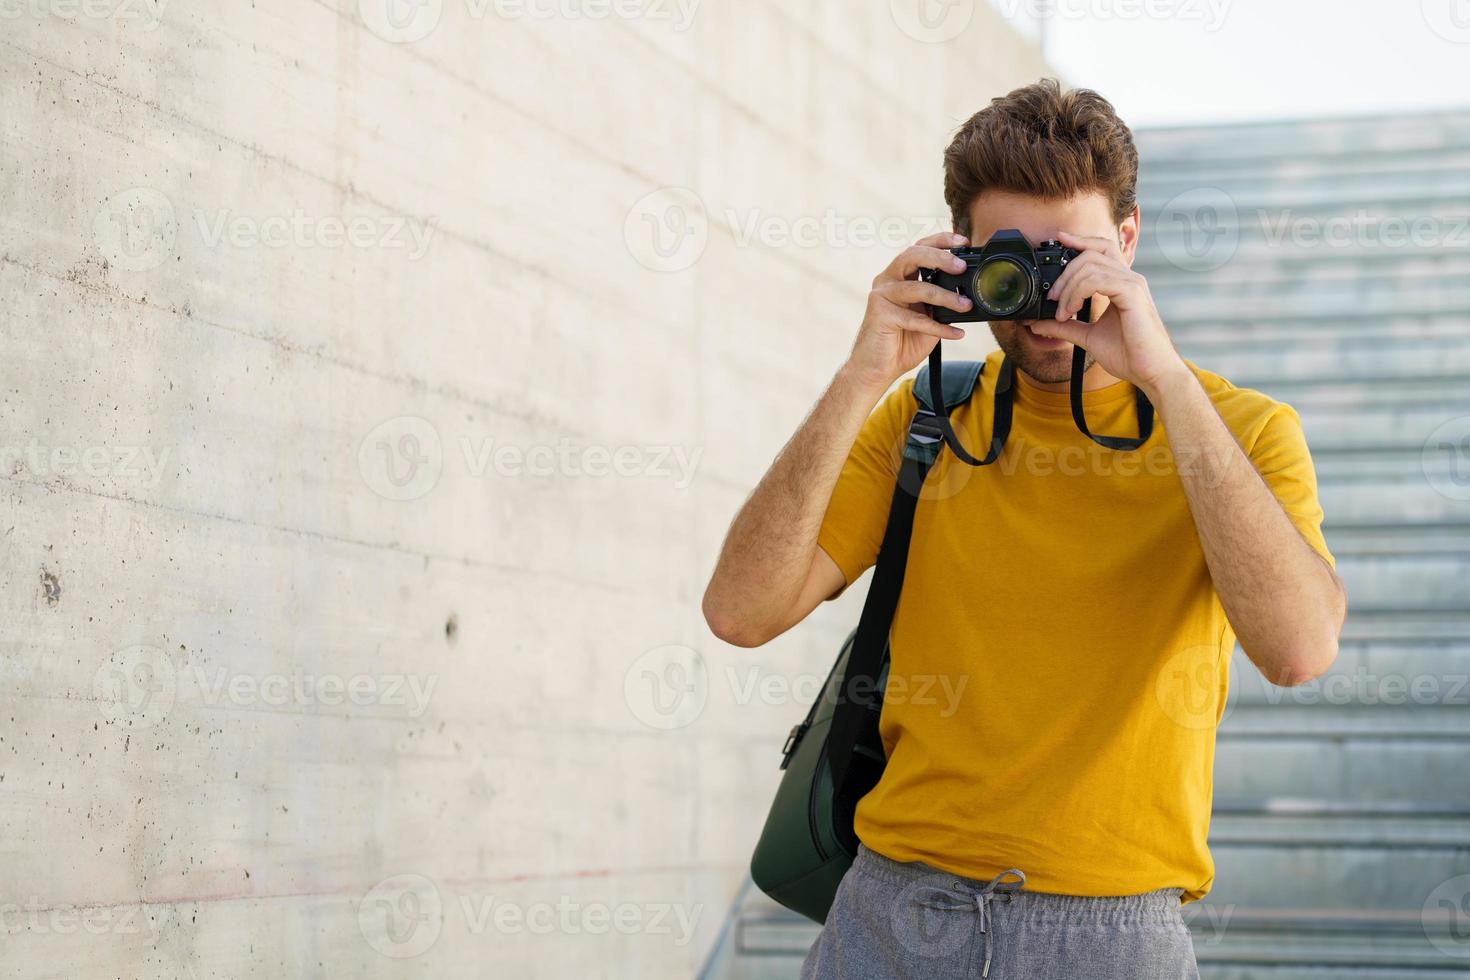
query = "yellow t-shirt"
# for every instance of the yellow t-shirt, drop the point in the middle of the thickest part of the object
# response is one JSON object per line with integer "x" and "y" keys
{"x": 1059, "y": 654}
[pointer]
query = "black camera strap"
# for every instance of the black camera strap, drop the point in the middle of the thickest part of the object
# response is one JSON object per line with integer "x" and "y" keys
{"x": 1001, "y": 427}
{"x": 1005, "y": 395}
{"x": 1145, "y": 409}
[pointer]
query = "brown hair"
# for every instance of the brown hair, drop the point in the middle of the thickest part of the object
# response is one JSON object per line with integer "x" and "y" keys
{"x": 1046, "y": 142}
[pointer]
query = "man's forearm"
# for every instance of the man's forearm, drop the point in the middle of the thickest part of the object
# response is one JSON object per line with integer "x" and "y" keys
{"x": 758, "y": 582}
{"x": 1281, "y": 597}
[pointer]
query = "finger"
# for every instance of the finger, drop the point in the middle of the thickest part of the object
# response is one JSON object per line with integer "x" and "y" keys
{"x": 1076, "y": 290}
{"x": 1090, "y": 243}
{"x": 1072, "y": 331}
{"x": 1076, "y": 267}
{"x": 917, "y": 257}
{"x": 944, "y": 239}
{"x": 919, "y": 323}
{"x": 907, "y": 291}
{"x": 1097, "y": 280}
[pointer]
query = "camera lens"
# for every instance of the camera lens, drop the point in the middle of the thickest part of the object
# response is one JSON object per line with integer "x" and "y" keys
{"x": 1002, "y": 286}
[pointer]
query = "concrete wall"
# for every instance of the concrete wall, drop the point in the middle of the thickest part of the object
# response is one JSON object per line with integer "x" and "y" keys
{"x": 363, "y": 454}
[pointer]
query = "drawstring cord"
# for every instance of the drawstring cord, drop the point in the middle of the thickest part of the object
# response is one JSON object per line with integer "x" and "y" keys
{"x": 954, "y": 901}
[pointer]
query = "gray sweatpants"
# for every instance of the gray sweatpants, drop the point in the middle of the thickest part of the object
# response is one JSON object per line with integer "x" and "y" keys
{"x": 898, "y": 921}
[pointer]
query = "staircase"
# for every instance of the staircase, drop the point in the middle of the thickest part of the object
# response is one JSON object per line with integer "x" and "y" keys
{"x": 1326, "y": 263}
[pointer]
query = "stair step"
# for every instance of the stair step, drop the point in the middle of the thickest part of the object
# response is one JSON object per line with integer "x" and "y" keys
{"x": 1445, "y": 174}
{"x": 1379, "y": 626}
{"x": 1302, "y": 359}
{"x": 1388, "y": 675}
{"x": 1390, "y": 137}
{"x": 1267, "y": 306}
{"x": 1344, "y": 874}
{"x": 1450, "y": 394}
{"x": 1369, "y": 539}
{"x": 1198, "y": 340}
{"x": 1324, "y": 945}
{"x": 1361, "y": 769}
{"x": 1407, "y": 497}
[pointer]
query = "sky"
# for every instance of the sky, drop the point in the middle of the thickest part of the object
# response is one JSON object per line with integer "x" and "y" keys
{"x": 1164, "y": 62}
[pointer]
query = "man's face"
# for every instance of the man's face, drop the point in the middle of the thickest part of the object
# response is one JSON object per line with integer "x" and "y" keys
{"x": 1046, "y": 359}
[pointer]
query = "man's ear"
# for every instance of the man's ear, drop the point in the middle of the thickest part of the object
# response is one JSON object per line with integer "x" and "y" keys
{"x": 1128, "y": 235}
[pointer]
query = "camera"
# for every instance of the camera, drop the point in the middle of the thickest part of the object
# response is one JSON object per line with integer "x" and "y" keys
{"x": 1006, "y": 279}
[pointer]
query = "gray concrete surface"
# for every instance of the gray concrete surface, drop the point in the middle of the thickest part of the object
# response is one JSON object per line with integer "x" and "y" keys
{"x": 374, "y": 394}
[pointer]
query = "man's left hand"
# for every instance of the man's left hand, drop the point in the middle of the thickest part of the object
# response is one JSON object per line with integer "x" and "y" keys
{"x": 1129, "y": 339}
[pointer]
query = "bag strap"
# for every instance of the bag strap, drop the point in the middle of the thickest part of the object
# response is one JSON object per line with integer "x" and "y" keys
{"x": 855, "y": 752}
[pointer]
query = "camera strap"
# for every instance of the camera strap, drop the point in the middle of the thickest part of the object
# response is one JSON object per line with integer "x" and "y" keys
{"x": 1005, "y": 383}
{"x": 1004, "y": 396}
{"x": 1145, "y": 409}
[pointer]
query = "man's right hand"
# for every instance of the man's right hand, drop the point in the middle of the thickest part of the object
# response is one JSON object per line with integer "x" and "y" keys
{"x": 897, "y": 331}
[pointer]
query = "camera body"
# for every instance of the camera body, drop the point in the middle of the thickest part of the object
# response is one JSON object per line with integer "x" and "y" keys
{"x": 1007, "y": 278}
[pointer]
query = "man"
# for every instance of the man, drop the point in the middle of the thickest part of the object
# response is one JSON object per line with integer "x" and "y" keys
{"x": 1084, "y": 600}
